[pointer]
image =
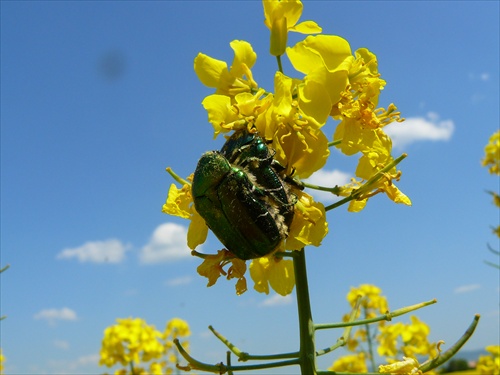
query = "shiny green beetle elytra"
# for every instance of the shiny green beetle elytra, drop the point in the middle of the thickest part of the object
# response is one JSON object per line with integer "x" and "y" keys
{"x": 234, "y": 208}
{"x": 250, "y": 152}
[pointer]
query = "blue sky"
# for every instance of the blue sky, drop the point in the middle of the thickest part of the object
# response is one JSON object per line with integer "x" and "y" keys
{"x": 97, "y": 98}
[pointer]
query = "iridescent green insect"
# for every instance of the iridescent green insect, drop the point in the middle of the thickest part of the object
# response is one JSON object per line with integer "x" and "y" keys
{"x": 250, "y": 152}
{"x": 234, "y": 208}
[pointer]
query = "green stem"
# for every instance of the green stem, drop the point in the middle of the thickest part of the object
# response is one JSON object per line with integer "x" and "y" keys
{"x": 334, "y": 143}
{"x": 370, "y": 345}
{"x": 244, "y": 356}
{"x": 306, "y": 325}
{"x": 280, "y": 67}
{"x": 443, "y": 357}
{"x": 176, "y": 177}
{"x": 334, "y": 190}
{"x": 368, "y": 185}
{"x": 388, "y": 316}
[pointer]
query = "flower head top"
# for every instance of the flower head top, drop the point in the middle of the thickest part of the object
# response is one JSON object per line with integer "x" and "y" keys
{"x": 282, "y": 17}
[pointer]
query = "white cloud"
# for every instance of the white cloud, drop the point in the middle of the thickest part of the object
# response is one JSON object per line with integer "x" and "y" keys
{"x": 484, "y": 76}
{"x": 415, "y": 129}
{"x": 82, "y": 365}
{"x": 466, "y": 288}
{"x": 168, "y": 243}
{"x": 53, "y": 315}
{"x": 327, "y": 178}
{"x": 110, "y": 251}
{"x": 183, "y": 280}
{"x": 277, "y": 300}
{"x": 61, "y": 344}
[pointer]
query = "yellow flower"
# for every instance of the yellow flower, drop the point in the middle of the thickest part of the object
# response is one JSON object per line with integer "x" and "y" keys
{"x": 2, "y": 361}
{"x": 355, "y": 363}
{"x": 238, "y": 78}
{"x": 281, "y": 17}
{"x": 180, "y": 203}
{"x": 176, "y": 328}
{"x": 156, "y": 368}
{"x": 489, "y": 364}
{"x": 130, "y": 341}
{"x": 213, "y": 267}
{"x": 226, "y": 114}
{"x": 388, "y": 339}
{"x": 309, "y": 225}
{"x": 325, "y": 60}
{"x": 492, "y": 154}
{"x": 301, "y": 147}
{"x": 373, "y": 301}
{"x": 275, "y": 272}
{"x": 406, "y": 366}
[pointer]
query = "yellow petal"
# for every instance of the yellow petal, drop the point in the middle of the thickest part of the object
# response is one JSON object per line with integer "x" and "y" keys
{"x": 243, "y": 55}
{"x": 309, "y": 225}
{"x": 328, "y": 51}
{"x": 177, "y": 203}
{"x": 219, "y": 111}
{"x": 259, "y": 275}
{"x": 281, "y": 276}
{"x": 197, "y": 231}
{"x": 209, "y": 70}
{"x": 307, "y": 27}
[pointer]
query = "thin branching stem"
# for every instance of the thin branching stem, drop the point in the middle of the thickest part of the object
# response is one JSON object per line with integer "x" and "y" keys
{"x": 443, "y": 357}
{"x": 388, "y": 316}
{"x": 368, "y": 185}
{"x": 243, "y": 356}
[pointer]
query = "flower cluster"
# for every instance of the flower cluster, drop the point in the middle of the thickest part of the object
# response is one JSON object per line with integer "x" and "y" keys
{"x": 133, "y": 343}
{"x": 492, "y": 154}
{"x": 492, "y": 161}
{"x": 2, "y": 360}
{"x": 489, "y": 364}
{"x": 392, "y": 340}
{"x": 335, "y": 84}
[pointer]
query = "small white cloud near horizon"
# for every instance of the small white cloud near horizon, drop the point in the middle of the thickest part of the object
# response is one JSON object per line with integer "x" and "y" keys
{"x": 327, "y": 178}
{"x": 277, "y": 300}
{"x": 53, "y": 315}
{"x": 182, "y": 280}
{"x": 109, "y": 251}
{"x": 417, "y": 129}
{"x": 168, "y": 243}
{"x": 466, "y": 288}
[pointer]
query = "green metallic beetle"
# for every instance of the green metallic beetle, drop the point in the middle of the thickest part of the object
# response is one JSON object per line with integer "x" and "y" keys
{"x": 235, "y": 209}
{"x": 250, "y": 152}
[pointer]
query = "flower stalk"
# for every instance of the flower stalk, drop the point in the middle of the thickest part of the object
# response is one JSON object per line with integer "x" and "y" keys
{"x": 306, "y": 325}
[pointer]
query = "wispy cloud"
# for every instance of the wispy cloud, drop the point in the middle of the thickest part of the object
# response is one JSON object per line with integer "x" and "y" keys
{"x": 327, "y": 178}
{"x": 53, "y": 315}
{"x": 109, "y": 251}
{"x": 168, "y": 243}
{"x": 277, "y": 300}
{"x": 466, "y": 288}
{"x": 183, "y": 280}
{"x": 85, "y": 364}
{"x": 484, "y": 76}
{"x": 61, "y": 344}
{"x": 418, "y": 129}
